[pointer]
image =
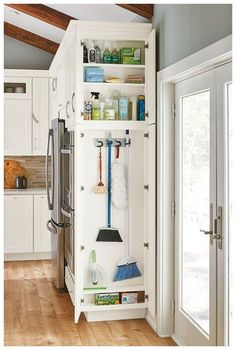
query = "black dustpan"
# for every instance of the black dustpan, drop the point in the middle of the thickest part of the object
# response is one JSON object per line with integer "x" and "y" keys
{"x": 109, "y": 233}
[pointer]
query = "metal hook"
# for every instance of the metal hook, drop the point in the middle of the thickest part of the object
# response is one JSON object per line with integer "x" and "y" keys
{"x": 101, "y": 143}
{"x": 118, "y": 143}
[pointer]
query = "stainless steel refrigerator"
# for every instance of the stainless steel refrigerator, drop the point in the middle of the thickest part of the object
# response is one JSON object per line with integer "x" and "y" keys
{"x": 61, "y": 198}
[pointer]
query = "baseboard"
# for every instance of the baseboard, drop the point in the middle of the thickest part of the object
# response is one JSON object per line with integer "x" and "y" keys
{"x": 177, "y": 341}
{"x": 27, "y": 256}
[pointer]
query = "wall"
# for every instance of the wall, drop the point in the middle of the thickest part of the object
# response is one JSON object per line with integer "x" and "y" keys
{"x": 184, "y": 29}
{"x": 18, "y": 55}
{"x": 35, "y": 167}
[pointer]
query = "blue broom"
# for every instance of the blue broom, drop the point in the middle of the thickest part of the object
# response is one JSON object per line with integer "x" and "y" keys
{"x": 127, "y": 267}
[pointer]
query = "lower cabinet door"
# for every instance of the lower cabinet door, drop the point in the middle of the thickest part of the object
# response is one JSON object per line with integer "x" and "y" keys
{"x": 18, "y": 225}
{"x": 42, "y": 237}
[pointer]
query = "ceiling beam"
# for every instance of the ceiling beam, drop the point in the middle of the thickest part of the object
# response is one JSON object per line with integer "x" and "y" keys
{"x": 30, "y": 38}
{"x": 44, "y": 13}
{"x": 140, "y": 9}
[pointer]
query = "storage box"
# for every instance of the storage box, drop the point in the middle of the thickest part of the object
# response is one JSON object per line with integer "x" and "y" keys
{"x": 94, "y": 75}
{"x": 130, "y": 55}
{"x": 107, "y": 298}
{"x": 129, "y": 298}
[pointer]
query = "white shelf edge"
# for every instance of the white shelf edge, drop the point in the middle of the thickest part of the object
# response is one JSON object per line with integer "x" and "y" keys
{"x": 114, "y": 124}
{"x": 116, "y": 289}
{"x": 93, "y": 307}
{"x": 126, "y": 66}
{"x": 115, "y": 84}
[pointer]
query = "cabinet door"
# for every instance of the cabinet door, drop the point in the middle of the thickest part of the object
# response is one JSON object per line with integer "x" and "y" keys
{"x": 40, "y": 115}
{"x": 151, "y": 221}
{"x": 150, "y": 76}
{"x": 17, "y": 127}
{"x": 70, "y": 87}
{"x": 18, "y": 224}
{"x": 42, "y": 237}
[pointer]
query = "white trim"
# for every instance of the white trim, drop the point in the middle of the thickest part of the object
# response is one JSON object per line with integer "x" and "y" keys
{"x": 27, "y": 256}
{"x": 26, "y": 73}
{"x": 207, "y": 58}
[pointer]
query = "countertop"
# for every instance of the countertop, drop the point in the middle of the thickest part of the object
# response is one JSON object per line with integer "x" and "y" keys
{"x": 25, "y": 191}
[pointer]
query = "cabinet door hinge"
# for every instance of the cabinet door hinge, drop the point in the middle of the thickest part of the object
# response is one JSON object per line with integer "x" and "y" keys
{"x": 146, "y": 115}
{"x": 146, "y": 46}
{"x": 82, "y": 247}
{"x": 81, "y": 188}
{"x": 173, "y": 208}
{"x": 173, "y": 111}
{"x": 146, "y": 296}
{"x": 146, "y": 187}
{"x": 146, "y": 245}
{"x": 81, "y": 134}
{"x": 173, "y": 306}
{"x": 82, "y": 300}
{"x": 146, "y": 135}
{"x": 81, "y": 42}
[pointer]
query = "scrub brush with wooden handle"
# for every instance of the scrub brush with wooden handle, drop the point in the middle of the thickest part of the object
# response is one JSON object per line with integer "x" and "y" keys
{"x": 100, "y": 188}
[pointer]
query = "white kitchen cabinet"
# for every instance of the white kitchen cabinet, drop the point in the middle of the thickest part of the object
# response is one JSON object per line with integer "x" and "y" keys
{"x": 40, "y": 120}
{"x": 17, "y": 127}
{"x": 90, "y": 209}
{"x": 18, "y": 224}
{"x": 42, "y": 237}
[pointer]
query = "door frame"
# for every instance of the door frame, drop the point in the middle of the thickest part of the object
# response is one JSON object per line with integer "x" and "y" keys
{"x": 210, "y": 57}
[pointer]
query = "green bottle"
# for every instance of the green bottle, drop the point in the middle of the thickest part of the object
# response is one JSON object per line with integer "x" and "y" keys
{"x": 106, "y": 56}
{"x": 115, "y": 56}
{"x": 95, "y": 105}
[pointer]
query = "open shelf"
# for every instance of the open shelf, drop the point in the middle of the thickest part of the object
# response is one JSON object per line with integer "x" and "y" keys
{"x": 116, "y": 289}
{"x": 132, "y": 85}
{"x": 93, "y": 307}
{"x": 126, "y": 66}
{"x": 113, "y": 124}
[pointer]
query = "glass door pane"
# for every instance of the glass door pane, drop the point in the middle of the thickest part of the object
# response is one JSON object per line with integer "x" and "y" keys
{"x": 195, "y": 207}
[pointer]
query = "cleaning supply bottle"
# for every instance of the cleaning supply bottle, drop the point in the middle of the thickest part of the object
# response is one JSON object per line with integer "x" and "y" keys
{"x": 106, "y": 55}
{"x": 87, "y": 110}
{"x": 102, "y": 107}
{"x": 115, "y": 56}
{"x": 92, "y": 54}
{"x": 85, "y": 54}
{"x": 109, "y": 111}
{"x": 95, "y": 105}
{"x": 141, "y": 107}
{"x": 115, "y": 101}
{"x": 97, "y": 54}
{"x": 123, "y": 108}
{"x": 133, "y": 107}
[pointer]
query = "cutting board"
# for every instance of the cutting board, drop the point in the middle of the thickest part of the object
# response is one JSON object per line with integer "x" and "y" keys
{"x": 12, "y": 169}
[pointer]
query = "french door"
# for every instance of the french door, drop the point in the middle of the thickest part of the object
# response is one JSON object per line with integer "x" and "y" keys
{"x": 201, "y": 234}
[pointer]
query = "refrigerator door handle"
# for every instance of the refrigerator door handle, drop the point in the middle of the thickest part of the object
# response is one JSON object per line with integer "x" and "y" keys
{"x": 50, "y": 203}
{"x": 51, "y": 227}
{"x": 66, "y": 213}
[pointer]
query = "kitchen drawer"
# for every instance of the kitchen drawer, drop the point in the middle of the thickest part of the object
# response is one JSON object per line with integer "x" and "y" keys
{"x": 70, "y": 284}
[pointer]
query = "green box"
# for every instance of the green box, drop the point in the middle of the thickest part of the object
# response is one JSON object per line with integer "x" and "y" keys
{"x": 107, "y": 298}
{"x": 130, "y": 55}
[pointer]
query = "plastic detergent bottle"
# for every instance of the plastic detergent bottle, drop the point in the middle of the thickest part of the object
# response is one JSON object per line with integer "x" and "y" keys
{"x": 106, "y": 55}
{"x": 109, "y": 111}
{"x": 115, "y": 101}
{"x": 123, "y": 108}
{"x": 97, "y": 54}
{"x": 92, "y": 53}
{"x": 95, "y": 105}
{"x": 115, "y": 56}
{"x": 141, "y": 107}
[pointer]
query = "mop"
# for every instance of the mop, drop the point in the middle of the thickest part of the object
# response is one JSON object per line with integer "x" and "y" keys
{"x": 109, "y": 233}
{"x": 127, "y": 267}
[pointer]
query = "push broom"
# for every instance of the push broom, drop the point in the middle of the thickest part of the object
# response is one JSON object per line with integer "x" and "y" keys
{"x": 109, "y": 233}
{"x": 127, "y": 267}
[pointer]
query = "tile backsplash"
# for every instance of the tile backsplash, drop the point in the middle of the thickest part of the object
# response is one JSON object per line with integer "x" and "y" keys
{"x": 35, "y": 166}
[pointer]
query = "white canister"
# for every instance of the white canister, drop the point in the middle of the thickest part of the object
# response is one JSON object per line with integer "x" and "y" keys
{"x": 19, "y": 89}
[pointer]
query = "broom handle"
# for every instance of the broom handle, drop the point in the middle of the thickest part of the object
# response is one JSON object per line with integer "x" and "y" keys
{"x": 127, "y": 145}
{"x": 100, "y": 165}
{"x": 109, "y": 185}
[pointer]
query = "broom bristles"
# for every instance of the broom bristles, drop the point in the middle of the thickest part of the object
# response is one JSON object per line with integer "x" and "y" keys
{"x": 109, "y": 234}
{"x": 127, "y": 271}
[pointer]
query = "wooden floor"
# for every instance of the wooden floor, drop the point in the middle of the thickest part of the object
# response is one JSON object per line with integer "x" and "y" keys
{"x": 36, "y": 314}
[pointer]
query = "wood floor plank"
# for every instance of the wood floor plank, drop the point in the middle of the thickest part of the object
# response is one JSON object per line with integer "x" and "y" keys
{"x": 36, "y": 314}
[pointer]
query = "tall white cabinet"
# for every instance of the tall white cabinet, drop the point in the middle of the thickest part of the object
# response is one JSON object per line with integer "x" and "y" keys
{"x": 90, "y": 208}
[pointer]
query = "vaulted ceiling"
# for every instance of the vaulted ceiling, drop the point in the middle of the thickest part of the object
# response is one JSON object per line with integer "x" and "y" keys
{"x": 44, "y": 26}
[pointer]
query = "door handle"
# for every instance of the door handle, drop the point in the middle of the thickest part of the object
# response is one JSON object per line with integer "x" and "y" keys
{"x": 206, "y": 232}
{"x": 66, "y": 213}
{"x": 50, "y": 203}
{"x": 50, "y": 227}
